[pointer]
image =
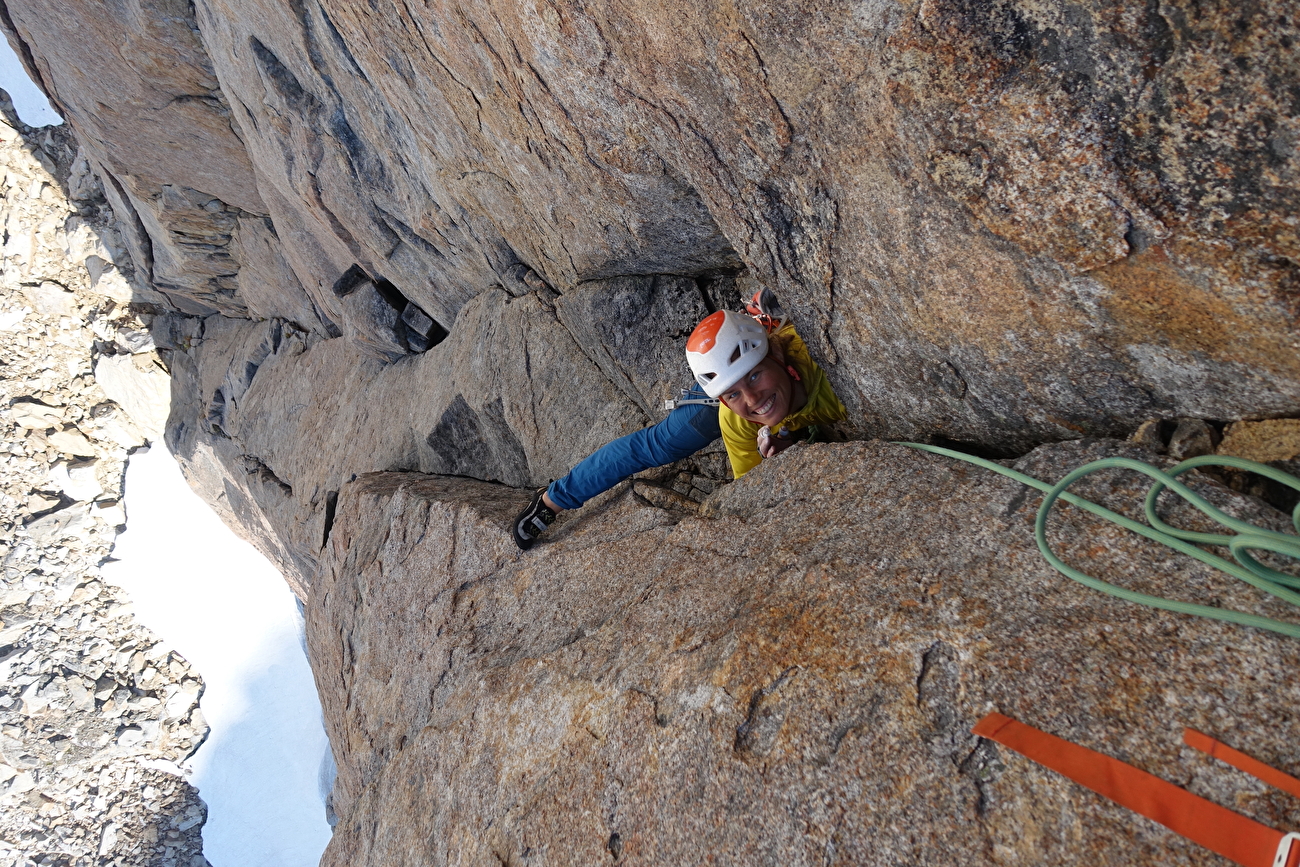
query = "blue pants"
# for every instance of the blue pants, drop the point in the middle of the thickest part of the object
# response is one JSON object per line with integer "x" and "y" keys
{"x": 684, "y": 432}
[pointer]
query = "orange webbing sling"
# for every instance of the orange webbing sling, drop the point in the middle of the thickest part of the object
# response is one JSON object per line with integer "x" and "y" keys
{"x": 1241, "y": 761}
{"x": 1218, "y": 829}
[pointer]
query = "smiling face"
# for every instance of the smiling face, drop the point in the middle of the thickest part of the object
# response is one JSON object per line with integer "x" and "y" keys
{"x": 764, "y": 395}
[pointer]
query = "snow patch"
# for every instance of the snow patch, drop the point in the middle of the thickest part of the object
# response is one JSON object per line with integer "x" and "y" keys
{"x": 222, "y": 606}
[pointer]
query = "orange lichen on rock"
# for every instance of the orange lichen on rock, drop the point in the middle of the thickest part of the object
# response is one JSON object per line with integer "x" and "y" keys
{"x": 1156, "y": 297}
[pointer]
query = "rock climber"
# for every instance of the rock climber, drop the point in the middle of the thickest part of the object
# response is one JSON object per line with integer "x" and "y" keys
{"x": 772, "y": 395}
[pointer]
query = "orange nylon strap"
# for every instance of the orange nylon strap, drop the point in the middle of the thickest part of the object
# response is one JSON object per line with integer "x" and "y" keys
{"x": 1218, "y": 829}
{"x": 1241, "y": 761}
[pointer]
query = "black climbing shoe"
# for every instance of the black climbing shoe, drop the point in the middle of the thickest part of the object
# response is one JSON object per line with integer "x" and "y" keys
{"x": 533, "y": 521}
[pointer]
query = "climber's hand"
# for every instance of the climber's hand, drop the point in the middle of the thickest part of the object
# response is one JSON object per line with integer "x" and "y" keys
{"x": 770, "y": 446}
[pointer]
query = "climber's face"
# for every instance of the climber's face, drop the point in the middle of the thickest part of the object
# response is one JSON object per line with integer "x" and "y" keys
{"x": 763, "y": 395}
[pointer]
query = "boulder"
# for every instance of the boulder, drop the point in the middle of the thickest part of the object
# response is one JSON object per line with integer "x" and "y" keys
{"x": 134, "y": 341}
{"x": 79, "y": 481}
{"x": 73, "y": 521}
{"x": 1263, "y": 441}
{"x": 32, "y": 415}
{"x": 111, "y": 283}
{"x": 71, "y": 441}
{"x": 140, "y": 387}
{"x": 40, "y": 501}
{"x": 788, "y": 677}
{"x": 112, "y": 425}
{"x": 51, "y": 299}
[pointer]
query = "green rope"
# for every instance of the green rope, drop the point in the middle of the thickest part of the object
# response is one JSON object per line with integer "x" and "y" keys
{"x": 1246, "y": 537}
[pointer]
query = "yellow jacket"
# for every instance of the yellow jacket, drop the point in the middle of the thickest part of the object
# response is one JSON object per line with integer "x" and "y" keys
{"x": 741, "y": 436}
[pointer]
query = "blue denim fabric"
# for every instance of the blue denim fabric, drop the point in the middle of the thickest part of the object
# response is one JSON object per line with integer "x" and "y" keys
{"x": 684, "y": 432}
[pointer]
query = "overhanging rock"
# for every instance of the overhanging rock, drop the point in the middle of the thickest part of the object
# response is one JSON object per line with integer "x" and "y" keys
{"x": 1001, "y": 224}
{"x": 791, "y": 680}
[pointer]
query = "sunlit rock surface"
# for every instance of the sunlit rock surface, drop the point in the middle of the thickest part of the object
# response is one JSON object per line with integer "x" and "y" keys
{"x": 789, "y": 678}
{"x": 469, "y": 240}
{"x": 1001, "y": 224}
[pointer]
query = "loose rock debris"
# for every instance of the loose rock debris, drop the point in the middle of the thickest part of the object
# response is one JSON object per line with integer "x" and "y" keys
{"x": 96, "y": 714}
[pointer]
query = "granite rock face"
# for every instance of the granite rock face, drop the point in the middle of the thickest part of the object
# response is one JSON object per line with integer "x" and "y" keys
{"x": 403, "y": 260}
{"x": 135, "y": 83}
{"x": 788, "y": 676}
{"x": 995, "y": 223}
{"x": 270, "y": 423}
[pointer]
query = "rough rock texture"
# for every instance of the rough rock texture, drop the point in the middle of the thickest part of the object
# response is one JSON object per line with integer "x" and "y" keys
{"x": 999, "y": 223}
{"x": 498, "y": 399}
{"x": 95, "y": 712}
{"x": 1273, "y": 440}
{"x": 514, "y": 394}
{"x": 788, "y": 677}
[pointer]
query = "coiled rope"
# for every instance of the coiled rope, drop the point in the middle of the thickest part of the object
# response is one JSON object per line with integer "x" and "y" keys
{"x": 1246, "y": 537}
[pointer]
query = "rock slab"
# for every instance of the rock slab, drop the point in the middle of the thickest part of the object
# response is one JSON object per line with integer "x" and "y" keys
{"x": 787, "y": 676}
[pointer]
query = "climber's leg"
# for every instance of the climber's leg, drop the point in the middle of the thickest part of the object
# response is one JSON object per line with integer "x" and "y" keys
{"x": 684, "y": 432}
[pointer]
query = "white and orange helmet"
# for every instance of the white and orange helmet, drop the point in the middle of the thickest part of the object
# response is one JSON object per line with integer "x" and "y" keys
{"x": 723, "y": 348}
